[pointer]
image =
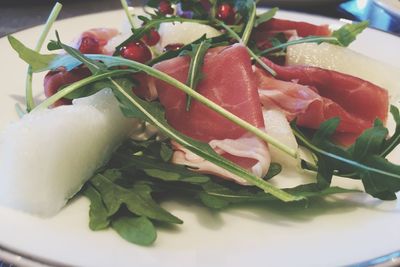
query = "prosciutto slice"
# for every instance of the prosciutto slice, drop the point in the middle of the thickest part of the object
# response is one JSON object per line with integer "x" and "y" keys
{"x": 314, "y": 95}
{"x": 359, "y": 97}
{"x": 245, "y": 147}
{"x": 303, "y": 29}
{"x": 59, "y": 78}
{"x": 94, "y": 41}
{"x": 291, "y": 30}
{"x": 228, "y": 81}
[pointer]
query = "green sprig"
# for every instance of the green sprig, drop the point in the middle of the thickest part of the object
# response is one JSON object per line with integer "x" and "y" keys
{"x": 196, "y": 62}
{"x": 30, "y": 102}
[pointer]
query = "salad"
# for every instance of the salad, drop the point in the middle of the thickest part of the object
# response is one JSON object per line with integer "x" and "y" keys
{"x": 210, "y": 143}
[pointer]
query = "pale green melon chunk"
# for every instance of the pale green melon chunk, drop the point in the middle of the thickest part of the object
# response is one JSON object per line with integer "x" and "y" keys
{"x": 183, "y": 33}
{"x": 48, "y": 155}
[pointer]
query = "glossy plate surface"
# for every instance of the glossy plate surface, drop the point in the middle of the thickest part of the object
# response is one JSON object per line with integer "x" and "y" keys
{"x": 339, "y": 231}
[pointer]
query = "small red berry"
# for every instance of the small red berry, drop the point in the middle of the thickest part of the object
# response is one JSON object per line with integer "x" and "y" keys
{"x": 89, "y": 45}
{"x": 151, "y": 38}
{"x": 136, "y": 51}
{"x": 172, "y": 47}
{"x": 226, "y": 13}
{"x": 165, "y": 7}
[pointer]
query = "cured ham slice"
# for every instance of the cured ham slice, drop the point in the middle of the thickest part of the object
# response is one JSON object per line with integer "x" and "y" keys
{"x": 359, "y": 97}
{"x": 314, "y": 95}
{"x": 228, "y": 81}
{"x": 59, "y": 78}
{"x": 303, "y": 29}
{"x": 302, "y": 102}
{"x": 146, "y": 87}
{"x": 290, "y": 98}
{"x": 247, "y": 147}
{"x": 285, "y": 29}
{"x": 95, "y": 40}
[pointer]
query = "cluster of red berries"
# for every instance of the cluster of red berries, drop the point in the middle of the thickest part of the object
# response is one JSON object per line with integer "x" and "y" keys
{"x": 138, "y": 50}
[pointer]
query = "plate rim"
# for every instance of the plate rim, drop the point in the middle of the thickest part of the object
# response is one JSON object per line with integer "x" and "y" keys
{"x": 13, "y": 256}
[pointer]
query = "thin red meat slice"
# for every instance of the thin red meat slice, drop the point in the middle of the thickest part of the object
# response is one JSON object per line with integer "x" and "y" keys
{"x": 290, "y": 29}
{"x": 303, "y": 28}
{"x": 356, "y": 102}
{"x": 358, "y": 97}
{"x": 302, "y": 102}
{"x": 228, "y": 81}
{"x": 145, "y": 87}
{"x": 248, "y": 151}
{"x": 94, "y": 40}
{"x": 54, "y": 80}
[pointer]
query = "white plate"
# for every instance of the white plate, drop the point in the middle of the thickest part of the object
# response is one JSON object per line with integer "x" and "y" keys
{"x": 390, "y": 6}
{"x": 324, "y": 234}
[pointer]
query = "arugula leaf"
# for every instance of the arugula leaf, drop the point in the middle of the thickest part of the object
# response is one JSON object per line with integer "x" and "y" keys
{"x": 166, "y": 152}
{"x": 382, "y": 185}
{"x": 265, "y": 16}
{"x": 394, "y": 140}
{"x": 196, "y": 62}
{"x": 77, "y": 85}
{"x": 127, "y": 13}
{"x": 363, "y": 160}
{"x": 37, "y": 61}
{"x": 308, "y": 39}
{"x": 154, "y": 23}
{"x": 251, "y": 17}
{"x": 95, "y": 67}
{"x": 95, "y": 87}
{"x": 370, "y": 142}
{"x": 137, "y": 199}
{"x": 137, "y": 230}
{"x": 215, "y": 41}
{"x": 219, "y": 195}
{"x": 244, "y": 7}
{"x": 273, "y": 170}
{"x": 98, "y": 213}
{"x": 29, "y": 100}
{"x": 153, "y": 148}
{"x": 348, "y": 32}
{"x": 157, "y": 169}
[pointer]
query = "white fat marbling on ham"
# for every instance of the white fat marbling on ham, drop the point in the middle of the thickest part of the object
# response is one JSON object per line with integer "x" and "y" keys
{"x": 246, "y": 147}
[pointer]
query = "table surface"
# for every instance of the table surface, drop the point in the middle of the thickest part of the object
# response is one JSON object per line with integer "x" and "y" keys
{"x": 22, "y": 14}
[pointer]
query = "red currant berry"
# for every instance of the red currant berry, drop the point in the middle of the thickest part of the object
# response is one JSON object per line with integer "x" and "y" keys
{"x": 151, "y": 38}
{"x": 226, "y": 13}
{"x": 89, "y": 45}
{"x": 136, "y": 51}
{"x": 172, "y": 47}
{"x": 165, "y": 7}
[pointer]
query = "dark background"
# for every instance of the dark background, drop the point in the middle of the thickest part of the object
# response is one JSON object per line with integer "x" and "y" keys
{"x": 16, "y": 15}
